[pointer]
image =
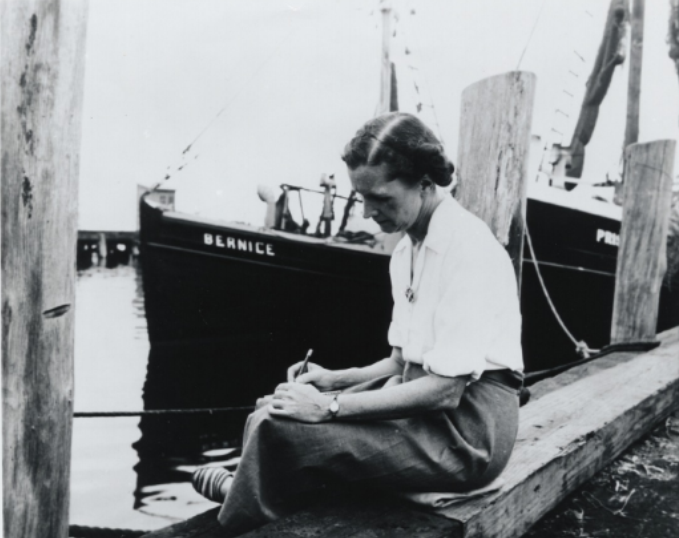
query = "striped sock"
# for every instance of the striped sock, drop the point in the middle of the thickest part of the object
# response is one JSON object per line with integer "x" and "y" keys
{"x": 210, "y": 482}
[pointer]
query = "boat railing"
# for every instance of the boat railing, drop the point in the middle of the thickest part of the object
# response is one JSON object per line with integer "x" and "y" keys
{"x": 284, "y": 221}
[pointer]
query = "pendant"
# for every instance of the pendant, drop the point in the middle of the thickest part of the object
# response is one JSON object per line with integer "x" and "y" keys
{"x": 410, "y": 295}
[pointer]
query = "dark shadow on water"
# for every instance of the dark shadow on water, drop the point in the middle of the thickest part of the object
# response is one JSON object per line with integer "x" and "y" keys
{"x": 172, "y": 444}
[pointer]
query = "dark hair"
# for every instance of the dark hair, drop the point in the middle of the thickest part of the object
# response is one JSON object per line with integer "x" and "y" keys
{"x": 408, "y": 146}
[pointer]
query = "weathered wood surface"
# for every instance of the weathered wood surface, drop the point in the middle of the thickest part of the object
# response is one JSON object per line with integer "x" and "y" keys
{"x": 565, "y": 437}
{"x": 642, "y": 253}
{"x": 203, "y": 525}
{"x": 42, "y": 75}
{"x": 492, "y": 159}
{"x": 359, "y": 518}
{"x": 568, "y": 435}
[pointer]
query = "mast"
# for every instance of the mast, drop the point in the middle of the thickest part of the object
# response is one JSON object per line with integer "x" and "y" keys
{"x": 385, "y": 75}
{"x": 634, "y": 82}
{"x": 611, "y": 54}
{"x": 633, "y": 85}
{"x": 673, "y": 33}
{"x": 393, "y": 100}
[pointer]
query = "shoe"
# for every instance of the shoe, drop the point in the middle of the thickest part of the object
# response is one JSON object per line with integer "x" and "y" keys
{"x": 211, "y": 483}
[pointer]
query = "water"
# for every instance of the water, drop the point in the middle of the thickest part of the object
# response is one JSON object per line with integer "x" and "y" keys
{"x": 129, "y": 472}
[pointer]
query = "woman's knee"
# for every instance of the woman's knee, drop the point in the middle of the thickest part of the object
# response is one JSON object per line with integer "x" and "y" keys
{"x": 262, "y": 422}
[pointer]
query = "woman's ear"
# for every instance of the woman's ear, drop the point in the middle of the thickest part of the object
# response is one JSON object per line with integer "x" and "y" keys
{"x": 426, "y": 184}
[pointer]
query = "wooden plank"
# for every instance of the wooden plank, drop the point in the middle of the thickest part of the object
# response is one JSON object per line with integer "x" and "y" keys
{"x": 43, "y": 60}
{"x": 570, "y": 434}
{"x": 203, "y": 525}
{"x": 357, "y": 518}
{"x": 362, "y": 518}
{"x": 642, "y": 252}
{"x": 564, "y": 439}
{"x": 492, "y": 159}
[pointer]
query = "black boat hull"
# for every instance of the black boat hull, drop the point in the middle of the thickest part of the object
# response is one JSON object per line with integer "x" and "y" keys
{"x": 229, "y": 309}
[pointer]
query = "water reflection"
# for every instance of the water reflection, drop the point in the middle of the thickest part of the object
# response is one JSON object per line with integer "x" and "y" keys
{"x": 130, "y": 472}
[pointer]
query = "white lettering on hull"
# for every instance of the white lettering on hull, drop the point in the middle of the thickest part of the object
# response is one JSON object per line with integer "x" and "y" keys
{"x": 258, "y": 247}
{"x": 610, "y": 238}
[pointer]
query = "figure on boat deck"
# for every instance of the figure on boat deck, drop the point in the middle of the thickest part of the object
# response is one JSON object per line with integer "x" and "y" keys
{"x": 328, "y": 215}
{"x": 440, "y": 414}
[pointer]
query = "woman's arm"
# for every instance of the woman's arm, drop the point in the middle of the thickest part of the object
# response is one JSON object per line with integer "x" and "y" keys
{"x": 325, "y": 379}
{"x": 429, "y": 393}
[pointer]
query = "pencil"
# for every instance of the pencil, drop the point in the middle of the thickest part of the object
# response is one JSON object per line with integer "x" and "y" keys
{"x": 302, "y": 370}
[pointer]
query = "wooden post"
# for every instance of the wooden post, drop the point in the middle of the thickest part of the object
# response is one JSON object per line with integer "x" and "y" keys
{"x": 642, "y": 253}
{"x": 43, "y": 58}
{"x": 492, "y": 155}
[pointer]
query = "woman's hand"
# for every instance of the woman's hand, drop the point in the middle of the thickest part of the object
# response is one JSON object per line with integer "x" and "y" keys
{"x": 319, "y": 377}
{"x": 300, "y": 402}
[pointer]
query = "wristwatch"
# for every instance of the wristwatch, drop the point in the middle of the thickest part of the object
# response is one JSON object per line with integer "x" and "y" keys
{"x": 334, "y": 407}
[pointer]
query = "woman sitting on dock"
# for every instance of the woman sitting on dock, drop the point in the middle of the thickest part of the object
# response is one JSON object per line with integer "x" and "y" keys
{"x": 441, "y": 413}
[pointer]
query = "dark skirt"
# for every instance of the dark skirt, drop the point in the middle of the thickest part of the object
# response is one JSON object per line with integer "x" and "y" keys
{"x": 453, "y": 451}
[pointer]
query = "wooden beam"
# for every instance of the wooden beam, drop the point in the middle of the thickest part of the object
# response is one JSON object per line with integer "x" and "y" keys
{"x": 492, "y": 158}
{"x": 564, "y": 439}
{"x": 42, "y": 75}
{"x": 642, "y": 253}
{"x": 357, "y": 518}
{"x": 572, "y": 433}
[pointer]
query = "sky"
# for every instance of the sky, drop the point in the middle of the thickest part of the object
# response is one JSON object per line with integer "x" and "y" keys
{"x": 269, "y": 91}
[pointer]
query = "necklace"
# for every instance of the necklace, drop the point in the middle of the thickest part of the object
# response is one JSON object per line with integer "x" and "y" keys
{"x": 410, "y": 292}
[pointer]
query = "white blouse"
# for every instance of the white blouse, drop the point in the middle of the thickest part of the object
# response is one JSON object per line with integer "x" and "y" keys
{"x": 460, "y": 313}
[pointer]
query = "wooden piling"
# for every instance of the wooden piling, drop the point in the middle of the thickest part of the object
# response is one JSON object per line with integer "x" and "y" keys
{"x": 43, "y": 58}
{"x": 642, "y": 254}
{"x": 492, "y": 158}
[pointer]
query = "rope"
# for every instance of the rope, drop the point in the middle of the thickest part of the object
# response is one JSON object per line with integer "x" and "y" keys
{"x": 408, "y": 40}
{"x": 530, "y": 36}
{"x": 630, "y": 347}
{"x": 274, "y": 52}
{"x": 581, "y": 347}
{"x": 78, "y": 531}
{"x": 108, "y": 414}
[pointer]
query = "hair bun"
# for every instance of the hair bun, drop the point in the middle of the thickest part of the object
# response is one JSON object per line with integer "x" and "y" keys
{"x": 432, "y": 160}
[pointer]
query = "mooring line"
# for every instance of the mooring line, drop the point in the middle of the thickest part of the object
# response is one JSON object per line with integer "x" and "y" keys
{"x": 150, "y": 412}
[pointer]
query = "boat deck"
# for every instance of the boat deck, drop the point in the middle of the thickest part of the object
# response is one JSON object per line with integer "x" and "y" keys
{"x": 575, "y": 424}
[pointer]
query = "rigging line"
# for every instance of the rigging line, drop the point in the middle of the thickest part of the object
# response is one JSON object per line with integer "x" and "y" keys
{"x": 530, "y": 36}
{"x": 152, "y": 412}
{"x": 581, "y": 347}
{"x": 566, "y": 77}
{"x": 406, "y": 40}
{"x": 275, "y": 50}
